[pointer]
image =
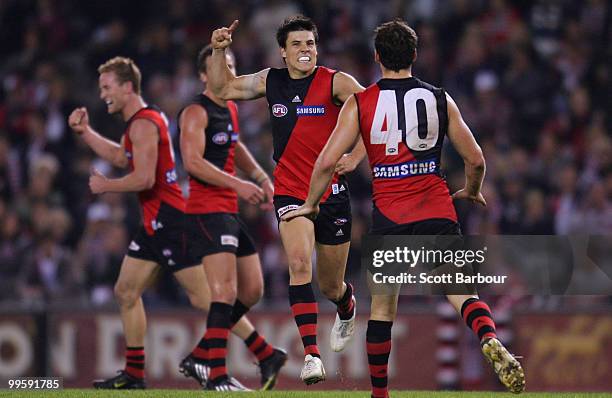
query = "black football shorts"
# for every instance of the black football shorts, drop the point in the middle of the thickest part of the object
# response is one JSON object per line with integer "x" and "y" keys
{"x": 333, "y": 224}
{"x": 213, "y": 233}
{"x": 167, "y": 246}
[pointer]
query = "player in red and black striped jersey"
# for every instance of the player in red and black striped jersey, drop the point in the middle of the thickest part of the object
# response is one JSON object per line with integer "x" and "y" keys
{"x": 145, "y": 149}
{"x": 402, "y": 122}
{"x": 304, "y": 101}
{"x": 211, "y": 151}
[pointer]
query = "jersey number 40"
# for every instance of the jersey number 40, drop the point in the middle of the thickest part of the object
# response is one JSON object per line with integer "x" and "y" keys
{"x": 422, "y": 122}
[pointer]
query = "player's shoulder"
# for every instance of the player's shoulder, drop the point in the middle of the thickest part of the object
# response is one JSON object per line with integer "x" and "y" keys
{"x": 325, "y": 69}
{"x": 428, "y": 86}
{"x": 193, "y": 109}
{"x": 276, "y": 73}
{"x": 372, "y": 88}
{"x": 147, "y": 115}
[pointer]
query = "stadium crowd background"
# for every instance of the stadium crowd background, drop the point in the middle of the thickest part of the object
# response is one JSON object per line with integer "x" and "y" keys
{"x": 532, "y": 78}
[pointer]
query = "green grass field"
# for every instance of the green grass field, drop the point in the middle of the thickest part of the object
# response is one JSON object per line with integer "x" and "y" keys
{"x": 69, "y": 393}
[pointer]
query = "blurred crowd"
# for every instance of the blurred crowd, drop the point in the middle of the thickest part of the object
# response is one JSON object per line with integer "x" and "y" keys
{"x": 532, "y": 79}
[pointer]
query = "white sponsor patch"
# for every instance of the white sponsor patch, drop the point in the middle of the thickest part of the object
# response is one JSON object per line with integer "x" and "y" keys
{"x": 340, "y": 233}
{"x": 285, "y": 209}
{"x": 134, "y": 246}
{"x": 296, "y": 99}
{"x": 230, "y": 240}
{"x": 167, "y": 252}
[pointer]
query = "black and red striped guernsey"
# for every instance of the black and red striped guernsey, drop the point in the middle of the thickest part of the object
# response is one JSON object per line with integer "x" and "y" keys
{"x": 303, "y": 116}
{"x": 221, "y": 139}
{"x": 166, "y": 188}
{"x": 403, "y": 123}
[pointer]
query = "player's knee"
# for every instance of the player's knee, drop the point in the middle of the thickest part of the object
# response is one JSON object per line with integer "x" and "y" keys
{"x": 199, "y": 302}
{"x": 225, "y": 293}
{"x": 251, "y": 295}
{"x": 126, "y": 294}
{"x": 383, "y": 314}
{"x": 300, "y": 265}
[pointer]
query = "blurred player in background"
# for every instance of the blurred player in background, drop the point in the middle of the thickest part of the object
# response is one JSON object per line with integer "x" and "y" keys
{"x": 304, "y": 101}
{"x": 146, "y": 149}
{"x": 402, "y": 121}
{"x": 211, "y": 151}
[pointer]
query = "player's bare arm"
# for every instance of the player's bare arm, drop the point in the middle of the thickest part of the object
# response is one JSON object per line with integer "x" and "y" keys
{"x": 193, "y": 123}
{"x": 222, "y": 81}
{"x": 463, "y": 140}
{"x": 341, "y": 140}
{"x": 344, "y": 87}
{"x": 144, "y": 137}
{"x": 247, "y": 163}
{"x": 143, "y": 175}
{"x": 103, "y": 147}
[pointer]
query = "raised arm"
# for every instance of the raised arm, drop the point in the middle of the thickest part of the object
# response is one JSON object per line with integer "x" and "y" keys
{"x": 342, "y": 139}
{"x": 193, "y": 123}
{"x": 221, "y": 81}
{"x": 103, "y": 147}
{"x": 145, "y": 137}
{"x": 462, "y": 139}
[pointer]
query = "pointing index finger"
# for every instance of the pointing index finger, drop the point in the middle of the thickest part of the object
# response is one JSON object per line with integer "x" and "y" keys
{"x": 233, "y": 26}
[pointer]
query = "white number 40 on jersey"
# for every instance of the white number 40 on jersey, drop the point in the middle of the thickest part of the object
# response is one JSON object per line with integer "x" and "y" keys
{"x": 417, "y": 102}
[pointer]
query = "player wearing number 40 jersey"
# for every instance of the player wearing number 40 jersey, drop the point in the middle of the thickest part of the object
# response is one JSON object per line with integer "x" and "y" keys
{"x": 304, "y": 101}
{"x": 146, "y": 149}
{"x": 403, "y": 121}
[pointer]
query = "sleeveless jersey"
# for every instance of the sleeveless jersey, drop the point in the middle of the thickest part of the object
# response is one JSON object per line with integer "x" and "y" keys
{"x": 166, "y": 189}
{"x": 303, "y": 116}
{"x": 403, "y": 123}
{"x": 221, "y": 138}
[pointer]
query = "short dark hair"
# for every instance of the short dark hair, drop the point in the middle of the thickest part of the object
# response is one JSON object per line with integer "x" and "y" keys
{"x": 203, "y": 56}
{"x": 293, "y": 24}
{"x": 125, "y": 69}
{"x": 396, "y": 44}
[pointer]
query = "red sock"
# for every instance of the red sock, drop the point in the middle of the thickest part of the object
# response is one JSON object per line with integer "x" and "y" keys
{"x": 477, "y": 316}
{"x": 258, "y": 345}
{"x": 305, "y": 310}
{"x": 135, "y": 362}
{"x": 346, "y": 305}
{"x": 378, "y": 344}
{"x": 217, "y": 332}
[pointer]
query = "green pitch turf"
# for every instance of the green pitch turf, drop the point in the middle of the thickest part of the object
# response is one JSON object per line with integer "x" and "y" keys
{"x": 69, "y": 393}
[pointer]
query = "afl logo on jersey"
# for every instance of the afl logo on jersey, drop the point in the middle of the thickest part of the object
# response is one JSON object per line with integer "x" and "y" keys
{"x": 221, "y": 138}
{"x": 279, "y": 110}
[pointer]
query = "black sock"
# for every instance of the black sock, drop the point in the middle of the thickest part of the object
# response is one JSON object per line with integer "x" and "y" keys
{"x": 217, "y": 332}
{"x": 378, "y": 343}
{"x": 345, "y": 305}
{"x": 305, "y": 309}
{"x": 237, "y": 312}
